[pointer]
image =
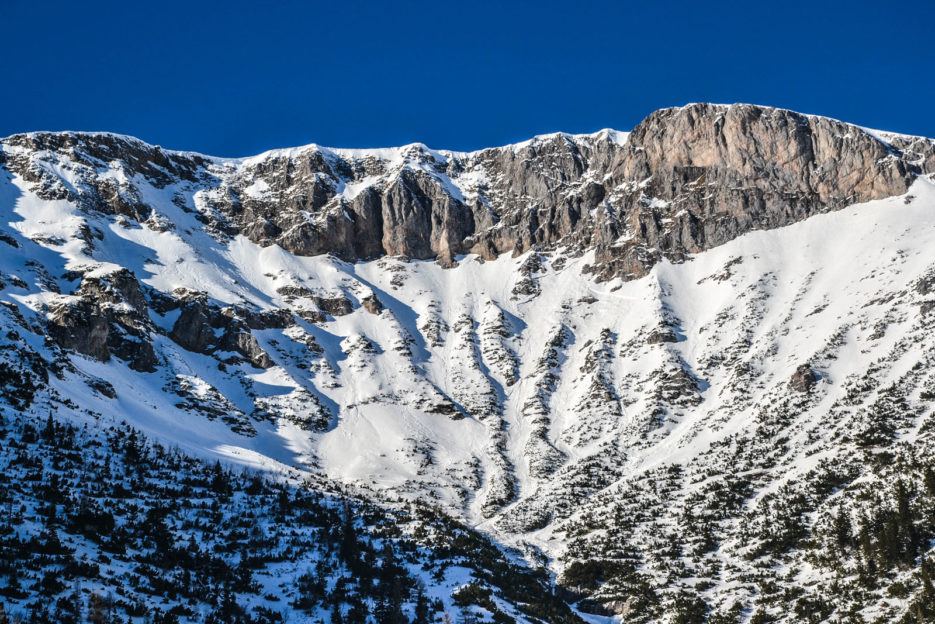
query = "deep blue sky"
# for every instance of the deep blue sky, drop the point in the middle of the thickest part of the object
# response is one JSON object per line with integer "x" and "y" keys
{"x": 236, "y": 78}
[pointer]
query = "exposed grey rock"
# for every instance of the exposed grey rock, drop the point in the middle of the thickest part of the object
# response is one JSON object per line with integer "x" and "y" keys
{"x": 109, "y": 316}
{"x": 372, "y": 304}
{"x": 312, "y": 316}
{"x": 8, "y": 239}
{"x": 725, "y": 170}
{"x": 117, "y": 287}
{"x": 102, "y": 387}
{"x": 676, "y": 386}
{"x": 446, "y": 407}
{"x": 926, "y": 284}
{"x": 661, "y": 335}
{"x": 192, "y": 329}
{"x": 203, "y": 328}
{"x": 81, "y": 328}
{"x": 330, "y": 303}
{"x": 265, "y": 319}
{"x": 246, "y": 345}
{"x": 335, "y": 306}
{"x": 804, "y": 378}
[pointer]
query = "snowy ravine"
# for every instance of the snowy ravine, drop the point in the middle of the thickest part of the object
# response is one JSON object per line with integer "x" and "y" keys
{"x": 740, "y": 429}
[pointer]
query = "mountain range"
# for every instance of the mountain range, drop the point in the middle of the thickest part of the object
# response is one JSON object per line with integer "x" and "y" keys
{"x": 681, "y": 374}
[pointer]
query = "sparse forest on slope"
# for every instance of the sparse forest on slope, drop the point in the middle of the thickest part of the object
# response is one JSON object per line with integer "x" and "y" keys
{"x": 100, "y": 525}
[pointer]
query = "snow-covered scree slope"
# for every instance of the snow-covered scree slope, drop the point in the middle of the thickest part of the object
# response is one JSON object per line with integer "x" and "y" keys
{"x": 739, "y": 426}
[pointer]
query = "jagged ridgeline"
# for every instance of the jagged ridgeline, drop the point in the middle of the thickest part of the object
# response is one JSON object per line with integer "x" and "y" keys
{"x": 686, "y": 370}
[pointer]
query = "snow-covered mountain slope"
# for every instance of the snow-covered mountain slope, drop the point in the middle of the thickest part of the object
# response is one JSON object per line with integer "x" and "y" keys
{"x": 694, "y": 434}
{"x": 101, "y": 525}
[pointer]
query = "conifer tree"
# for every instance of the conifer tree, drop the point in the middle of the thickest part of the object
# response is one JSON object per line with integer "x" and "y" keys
{"x": 48, "y": 432}
{"x": 842, "y": 529}
{"x": 422, "y": 607}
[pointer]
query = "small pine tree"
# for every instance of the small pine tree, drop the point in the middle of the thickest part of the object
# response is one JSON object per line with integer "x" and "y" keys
{"x": 349, "y": 547}
{"x": 282, "y": 504}
{"x": 358, "y": 613}
{"x": 929, "y": 480}
{"x": 48, "y": 432}
{"x": 927, "y": 571}
{"x": 422, "y": 607}
{"x": 842, "y": 529}
{"x": 219, "y": 480}
{"x": 891, "y": 541}
{"x": 689, "y": 609}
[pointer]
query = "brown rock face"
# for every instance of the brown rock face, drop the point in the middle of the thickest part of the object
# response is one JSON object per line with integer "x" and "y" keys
{"x": 804, "y": 379}
{"x": 372, "y": 304}
{"x": 712, "y": 173}
{"x": 685, "y": 180}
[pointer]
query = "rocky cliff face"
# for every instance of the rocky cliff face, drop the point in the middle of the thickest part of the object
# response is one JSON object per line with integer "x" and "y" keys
{"x": 684, "y": 180}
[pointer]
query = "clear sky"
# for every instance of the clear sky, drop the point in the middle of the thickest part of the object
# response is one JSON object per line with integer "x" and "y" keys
{"x": 235, "y": 78}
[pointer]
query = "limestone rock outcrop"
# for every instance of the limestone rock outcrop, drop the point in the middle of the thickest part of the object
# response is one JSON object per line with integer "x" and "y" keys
{"x": 804, "y": 378}
{"x": 684, "y": 180}
{"x": 205, "y": 328}
{"x": 107, "y": 315}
